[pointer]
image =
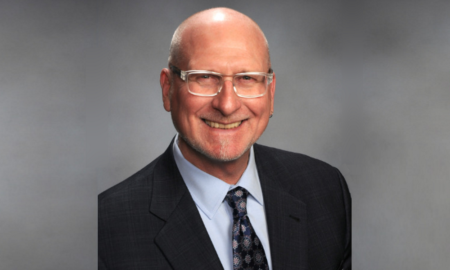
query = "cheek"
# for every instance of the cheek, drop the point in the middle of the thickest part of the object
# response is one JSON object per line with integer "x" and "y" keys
{"x": 178, "y": 110}
{"x": 261, "y": 112}
{"x": 186, "y": 108}
{"x": 259, "y": 108}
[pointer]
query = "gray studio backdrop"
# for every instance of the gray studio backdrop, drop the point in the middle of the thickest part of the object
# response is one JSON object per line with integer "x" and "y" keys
{"x": 362, "y": 85}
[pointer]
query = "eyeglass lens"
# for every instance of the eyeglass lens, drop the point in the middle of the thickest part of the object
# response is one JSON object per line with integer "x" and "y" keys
{"x": 209, "y": 84}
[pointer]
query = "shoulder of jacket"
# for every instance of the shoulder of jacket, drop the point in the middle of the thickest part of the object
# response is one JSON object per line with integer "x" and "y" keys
{"x": 271, "y": 155}
{"x": 138, "y": 181}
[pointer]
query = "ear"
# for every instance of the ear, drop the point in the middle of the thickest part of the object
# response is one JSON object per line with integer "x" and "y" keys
{"x": 164, "y": 81}
{"x": 272, "y": 91}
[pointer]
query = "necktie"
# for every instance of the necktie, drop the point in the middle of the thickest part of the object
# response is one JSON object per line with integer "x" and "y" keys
{"x": 248, "y": 252}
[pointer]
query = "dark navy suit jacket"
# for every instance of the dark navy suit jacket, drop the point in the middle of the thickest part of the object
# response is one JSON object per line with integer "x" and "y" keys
{"x": 150, "y": 221}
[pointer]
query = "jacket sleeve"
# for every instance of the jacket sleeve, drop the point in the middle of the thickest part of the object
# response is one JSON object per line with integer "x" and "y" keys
{"x": 346, "y": 263}
{"x": 101, "y": 265}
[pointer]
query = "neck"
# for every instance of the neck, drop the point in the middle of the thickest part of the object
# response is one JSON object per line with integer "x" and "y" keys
{"x": 228, "y": 171}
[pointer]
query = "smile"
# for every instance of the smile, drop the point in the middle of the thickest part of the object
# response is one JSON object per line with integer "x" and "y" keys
{"x": 222, "y": 126}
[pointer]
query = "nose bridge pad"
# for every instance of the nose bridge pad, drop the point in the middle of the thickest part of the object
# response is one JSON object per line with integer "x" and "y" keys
{"x": 232, "y": 83}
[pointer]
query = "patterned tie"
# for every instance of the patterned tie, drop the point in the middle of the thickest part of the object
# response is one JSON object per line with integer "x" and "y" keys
{"x": 248, "y": 252}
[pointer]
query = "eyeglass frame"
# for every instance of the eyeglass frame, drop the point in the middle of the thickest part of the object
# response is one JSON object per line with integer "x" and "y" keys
{"x": 184, "y": 73}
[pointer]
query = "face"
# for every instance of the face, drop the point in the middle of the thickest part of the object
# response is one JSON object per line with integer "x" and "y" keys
{"x": 224, "y": 127}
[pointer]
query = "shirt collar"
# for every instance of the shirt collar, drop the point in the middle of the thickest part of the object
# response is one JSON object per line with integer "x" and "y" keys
{"x": 208, "y": 191}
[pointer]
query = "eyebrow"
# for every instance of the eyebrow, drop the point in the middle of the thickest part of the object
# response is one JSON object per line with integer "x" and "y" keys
{"x": 242, "y": 71}
{"x": 177, "y": 70}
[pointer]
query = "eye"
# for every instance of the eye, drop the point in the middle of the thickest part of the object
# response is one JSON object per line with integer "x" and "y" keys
{"x": 204, "y": 78}
{"x": 201, "y": 77}
{"x": 247, "y": 79}
{"x": 207, "y": 78}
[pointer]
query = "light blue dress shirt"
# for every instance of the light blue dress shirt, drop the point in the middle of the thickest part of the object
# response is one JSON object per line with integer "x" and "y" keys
{"x": 209, "y": 193}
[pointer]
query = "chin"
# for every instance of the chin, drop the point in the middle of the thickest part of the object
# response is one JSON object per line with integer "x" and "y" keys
{"x": 225, "y": 153}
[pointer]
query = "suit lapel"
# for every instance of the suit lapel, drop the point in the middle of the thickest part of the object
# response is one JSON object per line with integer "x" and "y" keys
{"x": 286, "y": 220}
{"x": 183, "y": 239}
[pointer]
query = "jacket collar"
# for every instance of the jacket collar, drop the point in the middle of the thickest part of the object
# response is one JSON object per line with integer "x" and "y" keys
{"x": 285, "y": 214}
{"x": 184, "y": 239}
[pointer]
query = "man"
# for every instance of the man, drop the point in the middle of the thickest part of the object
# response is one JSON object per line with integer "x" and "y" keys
{"x": 215, "y": 199}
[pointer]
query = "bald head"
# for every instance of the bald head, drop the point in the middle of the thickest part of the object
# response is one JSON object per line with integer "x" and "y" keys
{"x": 223, "y": 24}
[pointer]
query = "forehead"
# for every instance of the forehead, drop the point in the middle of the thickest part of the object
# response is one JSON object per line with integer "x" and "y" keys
{"x": 227, "y": 44}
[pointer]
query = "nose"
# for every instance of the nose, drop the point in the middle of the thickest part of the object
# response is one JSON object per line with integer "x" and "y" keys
{"x": 227, "y": 102}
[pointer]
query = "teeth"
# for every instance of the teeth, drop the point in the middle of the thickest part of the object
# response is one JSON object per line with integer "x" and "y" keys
{"x": 222, "y": 126}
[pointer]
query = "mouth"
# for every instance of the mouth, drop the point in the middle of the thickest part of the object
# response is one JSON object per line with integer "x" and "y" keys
{"x": 222, "y": 126}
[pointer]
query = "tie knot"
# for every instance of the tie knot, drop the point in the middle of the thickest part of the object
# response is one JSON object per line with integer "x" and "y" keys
{"x": 237, "y": 200}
